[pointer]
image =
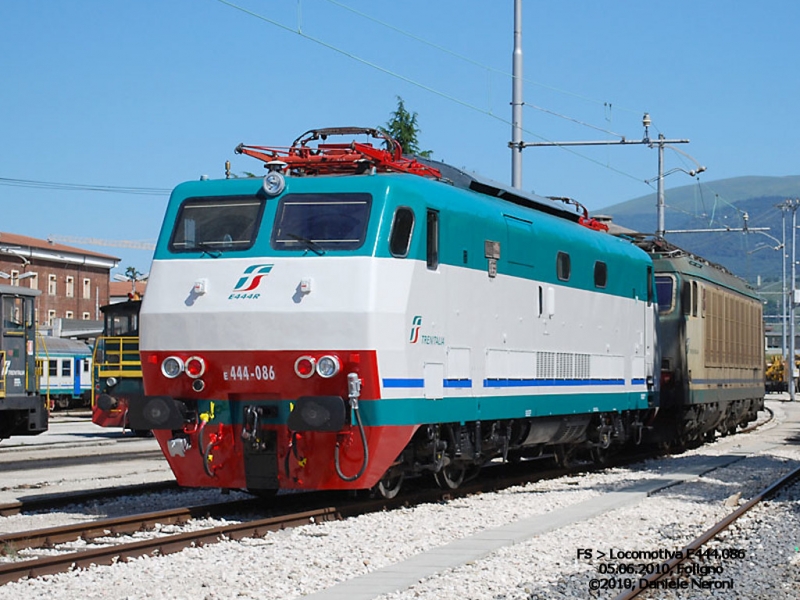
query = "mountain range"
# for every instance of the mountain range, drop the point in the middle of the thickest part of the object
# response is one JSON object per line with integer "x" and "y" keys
{"x": 747, "y": 208}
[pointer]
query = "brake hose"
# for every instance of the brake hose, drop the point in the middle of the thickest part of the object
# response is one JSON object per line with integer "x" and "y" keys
{"x": 366, "y": 452}
{"x": 354, "y": 389}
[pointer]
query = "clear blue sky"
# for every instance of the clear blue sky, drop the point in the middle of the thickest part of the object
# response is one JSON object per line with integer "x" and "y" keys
{"x": 147, "y": 94}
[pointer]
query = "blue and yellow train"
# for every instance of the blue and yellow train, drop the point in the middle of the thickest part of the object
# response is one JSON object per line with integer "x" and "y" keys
{"x": 360, "y": 316}
{"x": 65, "y": 372}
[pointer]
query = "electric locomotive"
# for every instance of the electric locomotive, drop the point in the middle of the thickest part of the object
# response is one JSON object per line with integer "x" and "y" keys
{"x": 360, "y": 316}
{"x": 712, "y": 353}
{"x": 22, "y": 410}
{"x": 117, "y": 373}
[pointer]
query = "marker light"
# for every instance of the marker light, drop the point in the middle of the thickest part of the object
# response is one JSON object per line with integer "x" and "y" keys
{"x": 328, "y": 366}
{"x": 304, "y": 367}
{"x": 195, "y": 367}
{"x": 172, "y": 367}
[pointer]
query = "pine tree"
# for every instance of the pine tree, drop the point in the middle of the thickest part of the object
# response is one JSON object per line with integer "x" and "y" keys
{"x": 402, "y": 126}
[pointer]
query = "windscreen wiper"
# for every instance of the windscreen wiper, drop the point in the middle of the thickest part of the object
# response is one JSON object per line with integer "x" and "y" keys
{"x": 207, "y": 249}
{"x": 313, "y": 246}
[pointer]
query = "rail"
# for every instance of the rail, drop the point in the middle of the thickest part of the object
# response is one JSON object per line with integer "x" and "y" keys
{"x": 693, "y": 546}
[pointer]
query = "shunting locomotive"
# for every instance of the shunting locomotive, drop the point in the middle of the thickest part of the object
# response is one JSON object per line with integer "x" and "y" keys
{"x": 360, "y": 316}
{"x": 22, "y": 410}
{"x": 117, "y": 370}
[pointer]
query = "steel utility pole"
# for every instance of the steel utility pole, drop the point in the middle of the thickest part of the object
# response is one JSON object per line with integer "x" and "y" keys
{"x": 784, "y": 324}
{"x": 792, "y": 351}
{"x": 516, "y": 100}
{"x": 661, "y": 142}
{"x": 790, "y": 362}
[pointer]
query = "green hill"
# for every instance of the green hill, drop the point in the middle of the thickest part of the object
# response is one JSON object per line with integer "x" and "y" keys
{"x": 731, "y": 204}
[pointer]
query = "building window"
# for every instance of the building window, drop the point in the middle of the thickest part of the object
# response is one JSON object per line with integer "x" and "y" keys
{"x": 52, "y": 288}
{"x": 70, "y": 286}
{"x": 69, "y": 314}
{"x": 51, "y": 317}
{"x": 14, "y": 277}
{"x": 87, "y": 289}
{"x": 86, "y": 316}
{"x": 34, "y": 281}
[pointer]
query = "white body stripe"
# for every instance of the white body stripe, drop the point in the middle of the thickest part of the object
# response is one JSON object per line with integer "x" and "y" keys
{"x": 469, "y": 327}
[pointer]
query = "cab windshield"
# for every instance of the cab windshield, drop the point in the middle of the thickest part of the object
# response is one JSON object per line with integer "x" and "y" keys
{"x": 217, "y": 225}
{"x": 665, "y": 290}
{"x": 320, "y": 222}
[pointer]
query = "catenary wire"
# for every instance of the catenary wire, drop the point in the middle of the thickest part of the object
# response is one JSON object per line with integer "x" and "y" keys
{"x": 418, "y": 84}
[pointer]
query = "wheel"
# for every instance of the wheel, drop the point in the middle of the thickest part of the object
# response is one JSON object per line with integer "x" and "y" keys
{"x": 450, "y": 477}
{"x": 565, "y": 456}
{"x": 601, "y": 456}
{"x": 389, "y": 485}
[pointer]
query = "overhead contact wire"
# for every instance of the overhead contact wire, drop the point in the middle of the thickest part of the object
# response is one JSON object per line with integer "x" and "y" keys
{"x": 415, "y": 83}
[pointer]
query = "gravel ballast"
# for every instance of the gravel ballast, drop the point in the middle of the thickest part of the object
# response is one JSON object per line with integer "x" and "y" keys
{"x": 304, "y": 560}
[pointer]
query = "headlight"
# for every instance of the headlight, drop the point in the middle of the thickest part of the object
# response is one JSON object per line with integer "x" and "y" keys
{"x": 172, "y": 367}
{"x": 111, "y": 382}
{"x": 195, "y": 367}
{"x": 328, "y": 366}
{"x": 304, "y": 367}
{"x": 273, "y": 184}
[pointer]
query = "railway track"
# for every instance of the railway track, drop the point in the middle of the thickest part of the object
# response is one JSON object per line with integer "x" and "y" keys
{"x": 313, "y": 508}
{"x": 55, "y": 501}
{"x": 294, "y": 509}
{"x": 668, "y": 569}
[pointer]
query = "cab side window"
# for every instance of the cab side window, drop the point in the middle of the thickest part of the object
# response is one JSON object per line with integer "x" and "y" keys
{"x": 600, "y": 274}
{"x": 402, "y": 228}
{"x": 433, "y": 239}
{"x": 563, "y": 266}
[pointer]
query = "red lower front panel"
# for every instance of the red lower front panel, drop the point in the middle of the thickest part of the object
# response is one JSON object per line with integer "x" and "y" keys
{"x": 211, "y": 451}
{"x": 300, "y": 460}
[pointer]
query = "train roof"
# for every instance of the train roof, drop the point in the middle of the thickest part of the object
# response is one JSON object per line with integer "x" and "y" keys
{"x": 483, "y": 185}
{"x": 129, "y": 306}
{"x": 662, "y": 250}
{"x": 54, "y": 345}
{"x": 353, "y": 157}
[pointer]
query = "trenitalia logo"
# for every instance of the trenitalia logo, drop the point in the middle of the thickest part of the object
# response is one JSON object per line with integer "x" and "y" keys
{"x": 417, "y": 336}
{"x": 251, "y": 278}
{"x": 416, "y": 325}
